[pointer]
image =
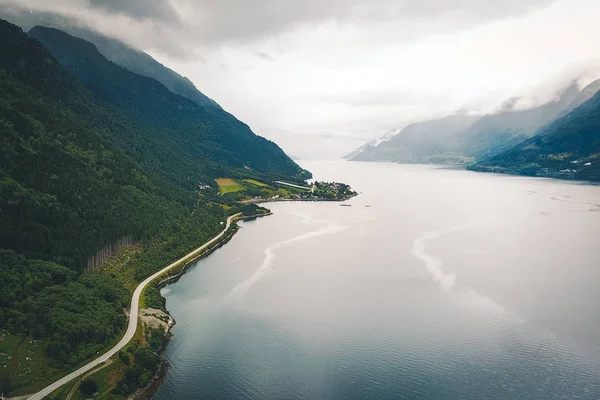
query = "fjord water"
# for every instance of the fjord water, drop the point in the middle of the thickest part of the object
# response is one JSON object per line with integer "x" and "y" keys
{"x": 433, "y": 284}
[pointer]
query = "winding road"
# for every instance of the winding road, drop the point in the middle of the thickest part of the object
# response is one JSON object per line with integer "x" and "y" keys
{"x": 133, "y": 317}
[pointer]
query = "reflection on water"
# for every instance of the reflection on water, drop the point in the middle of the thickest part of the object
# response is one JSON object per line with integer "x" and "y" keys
{"x": 435, "y": 284}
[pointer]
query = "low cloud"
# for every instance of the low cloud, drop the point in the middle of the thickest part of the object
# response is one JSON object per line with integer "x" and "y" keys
{"x": 173, "y": 26}
{"x": 327, "y": 74}
{"x": 264, "y": 56}
{"x": 157, "y": 10}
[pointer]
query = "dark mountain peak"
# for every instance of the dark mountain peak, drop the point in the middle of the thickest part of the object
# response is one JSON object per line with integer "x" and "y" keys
{"x": 51, "y": 37}
{"x": 143, "y": 64}
{"x": 114, "y": 50}
{"x": 9, "y": 30}
{"x": 29, "y": 61}
{"x": 192, "y": 129}
{"x": 57, "y": 34}
{"x": 19, "y": 50}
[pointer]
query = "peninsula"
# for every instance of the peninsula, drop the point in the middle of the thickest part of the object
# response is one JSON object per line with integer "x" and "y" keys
{"x": 253, "y": 191}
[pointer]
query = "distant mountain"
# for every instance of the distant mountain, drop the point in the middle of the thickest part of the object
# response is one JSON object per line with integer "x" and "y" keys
{"x": 494, "y": 133}
{"x": 567, "y": 148}
{"x": 174, "y": 133}
{"x": 419, "y": 142}
{"x": 373, "y": 143}
{"x": 459, "y": 139}
{"x": 358, "y": 150}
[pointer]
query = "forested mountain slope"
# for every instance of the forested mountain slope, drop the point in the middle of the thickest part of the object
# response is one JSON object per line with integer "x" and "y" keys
{"x": 81, "y": 168}
{"x": 65, "y": 190}
{"x": 216, "y": 140}
{"x": 143, "y": 64}
{"x": 567, "y": 148}
{"x": 114, "y": 50}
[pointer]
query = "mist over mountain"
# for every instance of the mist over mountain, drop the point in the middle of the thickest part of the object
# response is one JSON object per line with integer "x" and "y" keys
{"x": 568, "y": 148}
{"x": 373, "y": 143}
{"x": 278, "y": 86}
{"x": 419, "y": 141}
{"x": 93, "y": 158}
{"x": 114, "y": 50}
{"x": 143, "y": 64}
{"x": 214, "y": 135}
{"x": 460, "y": 139}
{"x": 141, "y": 142}
{"x": 495, "y": 132}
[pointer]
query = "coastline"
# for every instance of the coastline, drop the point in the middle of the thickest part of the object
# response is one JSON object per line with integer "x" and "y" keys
{"x": 223, "y": 240}
{"x": 134, "y": 309}
{"x": 167, "y": 275}
{"x": 280, "y": 199}
{"x": 148, "y": 391}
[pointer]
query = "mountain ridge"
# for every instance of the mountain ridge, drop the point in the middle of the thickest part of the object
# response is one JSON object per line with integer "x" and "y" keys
{"x": 113, "y": 49}
{"x": 142, "y": 63}
{"x": 417, "y": 141}
{"x": 89, "y": 156}
{"x": 568, "y": 148}
{"x": 487, "y": 135}
{"x": 194, "y": 132}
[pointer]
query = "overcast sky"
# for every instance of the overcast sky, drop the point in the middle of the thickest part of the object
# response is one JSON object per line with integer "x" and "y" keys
{"x": 321, "y": 77}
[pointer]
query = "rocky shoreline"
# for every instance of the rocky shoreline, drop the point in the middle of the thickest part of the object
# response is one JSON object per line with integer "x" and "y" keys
{"x": 147, "y": 392}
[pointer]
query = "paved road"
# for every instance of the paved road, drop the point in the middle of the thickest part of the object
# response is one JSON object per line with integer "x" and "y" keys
{"x": 133, "y": 319}
{"x": 92, "y": 372}
{"x": 292, "y": 185}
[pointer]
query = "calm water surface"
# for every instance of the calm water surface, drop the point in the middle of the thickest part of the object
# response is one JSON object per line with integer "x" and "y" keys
{"x": 434, "y": 284}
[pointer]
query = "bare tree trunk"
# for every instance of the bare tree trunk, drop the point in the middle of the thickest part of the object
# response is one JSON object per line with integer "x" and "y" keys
{"x": 104, "y": 253}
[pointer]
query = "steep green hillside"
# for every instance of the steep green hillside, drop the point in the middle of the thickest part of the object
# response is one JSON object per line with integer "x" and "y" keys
{"x": 143, "y": 64}
{"x": 80, "y": 169}
{"x": 216, "y": 141}
{"x": 567, "y": 148}
{"x": 65, "y": 191}
{"x": 114, "y": 50}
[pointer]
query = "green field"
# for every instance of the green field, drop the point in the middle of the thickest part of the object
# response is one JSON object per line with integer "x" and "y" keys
{"x": 256, "y": 183}
{"x": 228, "y": 185}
